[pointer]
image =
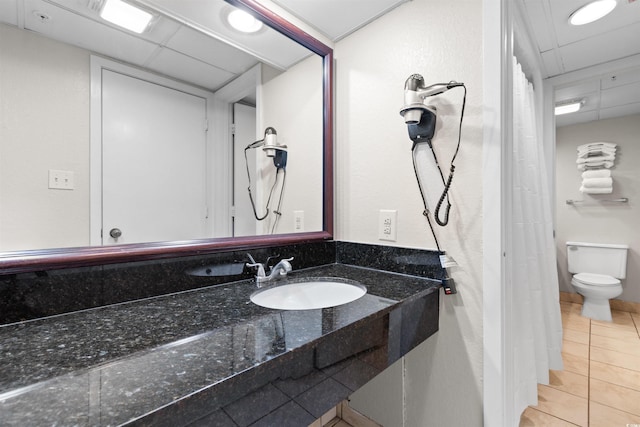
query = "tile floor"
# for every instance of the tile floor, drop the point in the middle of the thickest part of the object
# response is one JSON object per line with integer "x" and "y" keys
{"x": 600, "y": 383}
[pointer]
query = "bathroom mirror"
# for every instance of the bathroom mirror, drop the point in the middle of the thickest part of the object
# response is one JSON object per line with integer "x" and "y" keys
{"x": 262, "y": 80}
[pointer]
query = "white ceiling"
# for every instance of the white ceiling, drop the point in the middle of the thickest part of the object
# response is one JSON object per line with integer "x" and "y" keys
{"x": 337, "y": 19}
{"x": 193, "y": 45}
{"x": 597, "y": 62}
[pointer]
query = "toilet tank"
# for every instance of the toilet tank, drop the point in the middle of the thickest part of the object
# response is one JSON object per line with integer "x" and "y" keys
{"x": 598, "y": 258}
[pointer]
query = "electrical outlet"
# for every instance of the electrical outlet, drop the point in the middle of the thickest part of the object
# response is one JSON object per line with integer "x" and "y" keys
{"x": 61, "y": 180}
{"x": 298, "y": 220}
{"x": 387, "y": 225}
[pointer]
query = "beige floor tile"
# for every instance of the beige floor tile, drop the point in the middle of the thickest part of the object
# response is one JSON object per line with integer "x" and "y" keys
{"x": 563, "y": 405}
{"x": 576, "y": 322}
{"x": 579, "y": 365}
{"x": 626, "y": 346}
{"x": 605, "y": 416}
{"x": 613, "y": 332}
{"x": 636, "y": 320}
{"x": 569, "y": 307}
{"x": 621, "y": 319}
{"x": 570, "y": 382}
{"x": 576, "y": 336}
{"x": 615, "y": 375}
{"x": 577, "y": 349}
{"x": 615, "y": 396}
{"x": 614, "y": 358}
{"x": 534, "y": 418}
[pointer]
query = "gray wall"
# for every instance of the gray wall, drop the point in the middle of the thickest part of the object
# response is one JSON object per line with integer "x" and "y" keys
{"x": 597, "y": 221}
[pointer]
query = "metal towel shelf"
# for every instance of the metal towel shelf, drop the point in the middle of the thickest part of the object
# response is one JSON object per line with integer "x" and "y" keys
{"x": 596, "y": 202}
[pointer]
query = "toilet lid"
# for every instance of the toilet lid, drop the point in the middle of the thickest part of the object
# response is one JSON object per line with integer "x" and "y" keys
{"x": 596, "y": 279}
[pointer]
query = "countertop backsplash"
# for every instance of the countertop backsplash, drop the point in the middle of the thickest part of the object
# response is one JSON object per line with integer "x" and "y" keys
{"x": 28, "y": 296}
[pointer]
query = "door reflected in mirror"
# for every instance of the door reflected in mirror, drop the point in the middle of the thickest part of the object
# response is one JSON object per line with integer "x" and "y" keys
{"x": 104, "y": 130}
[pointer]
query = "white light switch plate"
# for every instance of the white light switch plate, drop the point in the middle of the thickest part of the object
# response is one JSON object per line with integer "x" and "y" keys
{"x": 61, "y": 180}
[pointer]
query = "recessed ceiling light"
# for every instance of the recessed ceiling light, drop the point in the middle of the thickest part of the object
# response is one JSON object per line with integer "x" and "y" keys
{"x": 126, "y": 15}
{"x": 592, "y": 12}
{"x": 243, "y": 21}
{"x": 567, "y": 107}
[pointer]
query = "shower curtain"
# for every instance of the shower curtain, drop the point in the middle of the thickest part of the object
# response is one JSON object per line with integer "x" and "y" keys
{"x": 535, "y": 308}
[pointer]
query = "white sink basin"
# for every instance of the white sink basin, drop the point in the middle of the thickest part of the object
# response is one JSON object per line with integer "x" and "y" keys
{"x": 306, "y": 294}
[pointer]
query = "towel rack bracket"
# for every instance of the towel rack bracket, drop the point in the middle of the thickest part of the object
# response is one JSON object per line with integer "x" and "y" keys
{"x": 619, "y": 200}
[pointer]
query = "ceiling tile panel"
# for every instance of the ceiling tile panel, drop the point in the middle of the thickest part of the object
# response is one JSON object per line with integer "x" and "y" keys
{"x": 620, "y": 78}
{"x": 190, "y": 69}
{"x": 538, "y": 18}
{"x": 578, "y": 90}
{"x": 623, "y": 15}
{"x": 620, "y": 95}
{"x": 68, "y": 27}
{"x": 268, "y": 45}
{"x": 552, "y": 64}
{"x": 618, "y": 111}
{"x": 338, "y": 18}
{"x": 210, "y": 50}
{"x": 613, "y": 45}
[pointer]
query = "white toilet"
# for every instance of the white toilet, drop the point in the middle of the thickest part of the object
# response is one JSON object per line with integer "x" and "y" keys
{"x": 596, "y": 269}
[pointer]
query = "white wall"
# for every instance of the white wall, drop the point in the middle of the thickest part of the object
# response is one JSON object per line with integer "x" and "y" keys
{"x": 600, "y": 222}
{"x": 291, "y": 103}
{"x": 44, "y": 124}
{"x": 442, "y": 40}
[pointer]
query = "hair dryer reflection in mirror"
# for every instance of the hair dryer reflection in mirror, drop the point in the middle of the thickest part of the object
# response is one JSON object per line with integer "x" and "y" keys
{"x": 272, "y": 148}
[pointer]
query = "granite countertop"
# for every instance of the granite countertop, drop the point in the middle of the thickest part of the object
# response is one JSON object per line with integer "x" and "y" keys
{"x": 185, "y": 355}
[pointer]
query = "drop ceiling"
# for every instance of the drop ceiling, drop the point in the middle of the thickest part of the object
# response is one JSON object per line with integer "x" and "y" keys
{"x": 337, "y": 19}
{"x": 193, "y": 45}
{"x": 597, "y": 62}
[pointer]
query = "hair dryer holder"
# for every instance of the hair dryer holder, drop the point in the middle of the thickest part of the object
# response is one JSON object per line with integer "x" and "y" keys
{"x": 424, "y": 130}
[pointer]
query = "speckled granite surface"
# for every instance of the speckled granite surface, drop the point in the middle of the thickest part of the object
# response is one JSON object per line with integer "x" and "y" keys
{"x": 46, "y": 293}
{"x": 209, "y": 356}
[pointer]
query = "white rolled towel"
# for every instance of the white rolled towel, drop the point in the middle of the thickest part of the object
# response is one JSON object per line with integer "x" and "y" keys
{"x": 597, "y": 182}
{"x": 600, "y": 164}
{"x": 597, "y": 145}
{"x": 595, "y": 159}
{"x": 596, "y": 173}
{"x": 596, "y": 152}
{"x": 589, "y": 190}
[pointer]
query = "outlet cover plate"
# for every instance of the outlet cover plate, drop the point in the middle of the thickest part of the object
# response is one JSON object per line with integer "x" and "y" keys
{"x": 387, "y": 225}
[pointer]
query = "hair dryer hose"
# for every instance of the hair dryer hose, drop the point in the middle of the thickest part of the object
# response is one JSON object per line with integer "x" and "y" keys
{"x": 436, "y": 213}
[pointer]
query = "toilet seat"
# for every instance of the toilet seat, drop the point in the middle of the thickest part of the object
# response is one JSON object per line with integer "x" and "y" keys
{"x": 600, "y": 280}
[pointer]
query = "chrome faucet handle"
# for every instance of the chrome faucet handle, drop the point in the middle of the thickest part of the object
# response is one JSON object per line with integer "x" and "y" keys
{"x": 284, "y": 266}
{"x": 253, "y": 263}
{"x": 286, "y": 261}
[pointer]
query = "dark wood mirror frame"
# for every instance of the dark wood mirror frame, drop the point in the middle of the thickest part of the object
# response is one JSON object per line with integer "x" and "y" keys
{"x": 47, "y": 259}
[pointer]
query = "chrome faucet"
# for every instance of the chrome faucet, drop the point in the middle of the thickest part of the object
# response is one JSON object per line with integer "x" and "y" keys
{"x": 278, "y": 271}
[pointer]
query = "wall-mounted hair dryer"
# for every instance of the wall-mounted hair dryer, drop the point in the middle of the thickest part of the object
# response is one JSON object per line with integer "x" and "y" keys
{"x": 419, "y": 117}
{"x": 421, "y": 123}
{"x": 272, "y": 148}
